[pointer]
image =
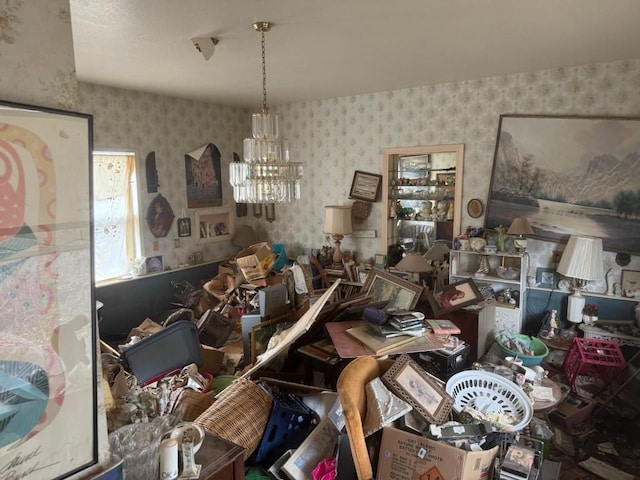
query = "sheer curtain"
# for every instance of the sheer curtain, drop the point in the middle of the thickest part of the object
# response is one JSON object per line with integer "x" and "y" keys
{"x": 114, "y": 216}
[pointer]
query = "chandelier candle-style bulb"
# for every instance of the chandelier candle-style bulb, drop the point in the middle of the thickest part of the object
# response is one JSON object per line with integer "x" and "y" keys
{"x": 266, "y": 175}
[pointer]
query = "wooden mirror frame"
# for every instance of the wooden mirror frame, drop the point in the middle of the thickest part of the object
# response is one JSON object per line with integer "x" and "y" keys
{"x": 388, "y": 155}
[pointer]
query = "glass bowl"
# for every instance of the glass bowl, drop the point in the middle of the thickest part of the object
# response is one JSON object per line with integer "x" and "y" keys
{"x": 508, "y": 273}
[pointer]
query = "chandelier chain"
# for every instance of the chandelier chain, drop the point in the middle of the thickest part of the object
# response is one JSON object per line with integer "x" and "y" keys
{"x": 265, "y": 109}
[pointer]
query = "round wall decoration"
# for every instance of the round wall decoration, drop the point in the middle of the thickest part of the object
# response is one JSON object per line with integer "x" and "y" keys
{"x": 475, "y": 208}
{"x": 360, "y": 211}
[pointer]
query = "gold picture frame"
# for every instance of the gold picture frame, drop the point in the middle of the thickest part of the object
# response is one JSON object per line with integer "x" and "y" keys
{"x": 384, "y": 286}
{"x": 411, "y": 383}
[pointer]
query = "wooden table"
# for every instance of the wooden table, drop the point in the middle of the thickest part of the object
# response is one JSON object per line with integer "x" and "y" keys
{"x": 220, "y": 459}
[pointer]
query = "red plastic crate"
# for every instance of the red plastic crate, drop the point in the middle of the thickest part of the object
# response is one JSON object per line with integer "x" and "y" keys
{"x": 592, "y": 357}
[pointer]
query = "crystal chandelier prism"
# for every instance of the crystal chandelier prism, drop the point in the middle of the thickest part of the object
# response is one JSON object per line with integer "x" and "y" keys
{"x": 266, "y": 175}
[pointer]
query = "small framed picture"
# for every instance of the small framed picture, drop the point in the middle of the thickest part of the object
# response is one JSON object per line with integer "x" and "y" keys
{"x": 410, "y": 382}
{"x": 547, "y": 278}
{"x": 365, "y": 186}
{"x": 154, "y": 264}
{"x": 630, "y": 280}
{"x": 454, "y": 296}
{"x": 184, "y": 227}
{"x": 380, "y": 261}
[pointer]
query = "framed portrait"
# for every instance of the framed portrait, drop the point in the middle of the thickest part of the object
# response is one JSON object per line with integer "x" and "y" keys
{"x": 365, "y": 186}
{"x": 159, "y": 216}
{"x": 567, "y": 175}
{"x": 546, "y": 277}
{"x": 204, "y": 176}
{"x": 454, "y": 296}
{"x": 154, "y": 264}
{"x": 184, "y": 227}
{"x": 383, "y": 286}
{"x": 411, "y": 383}
{"x": 48, "y": 316}
{"x": 630, "y": 281}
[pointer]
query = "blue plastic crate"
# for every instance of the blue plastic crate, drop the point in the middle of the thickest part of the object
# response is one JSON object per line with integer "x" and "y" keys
{"x": 290, "y": 422}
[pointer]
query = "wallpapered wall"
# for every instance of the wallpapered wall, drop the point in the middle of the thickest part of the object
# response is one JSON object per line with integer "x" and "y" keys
{"x": 335, "y": 137}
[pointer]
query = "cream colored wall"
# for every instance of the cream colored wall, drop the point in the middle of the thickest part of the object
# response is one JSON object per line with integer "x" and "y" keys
{"x": 334, "y": 137}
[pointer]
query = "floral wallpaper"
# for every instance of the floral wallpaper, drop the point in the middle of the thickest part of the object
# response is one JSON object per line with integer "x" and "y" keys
{"x": 34, "y": 71}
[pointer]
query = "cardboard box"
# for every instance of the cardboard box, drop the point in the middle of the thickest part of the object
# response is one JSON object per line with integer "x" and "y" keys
{"x": 212, "y": 359}
{"x": 255, "y": 261}
{"x": 572, "y": 410}
{"x": 405, "y": 456}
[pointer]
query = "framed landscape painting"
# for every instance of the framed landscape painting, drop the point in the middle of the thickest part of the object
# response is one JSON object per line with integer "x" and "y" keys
{"x": 569, "y": 176}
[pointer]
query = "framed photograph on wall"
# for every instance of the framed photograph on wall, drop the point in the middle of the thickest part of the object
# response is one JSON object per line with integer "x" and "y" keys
{"x": 184, "y": 227}
{"x": 365, "y": 186}
{"x": 410, "y": 382}
{"x": 48, "y": 316}
{"x": 568, "y": 175}
{"x": 384, "y": 286}
{"x": 546, "y": 277}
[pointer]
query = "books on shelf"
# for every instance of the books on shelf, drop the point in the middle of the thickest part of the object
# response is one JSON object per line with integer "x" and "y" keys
{"x": 377, "y": 344}
{"x": 443, "y": 327}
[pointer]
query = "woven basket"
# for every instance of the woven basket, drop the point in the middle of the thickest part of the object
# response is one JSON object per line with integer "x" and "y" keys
{"x": 190, "y": 404}
{"x": 239, "y": 415}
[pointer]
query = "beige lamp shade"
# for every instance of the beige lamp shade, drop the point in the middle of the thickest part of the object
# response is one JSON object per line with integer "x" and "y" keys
{"x": 520, "y": 226}
{"x": 437, "y": 253}
{"x": 245, "y": 236}
{"x": 337, "y": 220}
{"x": 414, "y": 262}
{"x": 582, "y": 258}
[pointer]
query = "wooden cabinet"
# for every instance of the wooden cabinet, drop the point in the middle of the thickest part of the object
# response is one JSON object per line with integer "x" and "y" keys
{"x": 214, "y": 224}
{"x": 469, "y": 264}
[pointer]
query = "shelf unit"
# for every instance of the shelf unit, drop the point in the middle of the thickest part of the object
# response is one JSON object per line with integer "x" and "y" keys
{"x": 465, "y": 264}
{"x": 214, "y": 224}
{"x": 415, "y": 177}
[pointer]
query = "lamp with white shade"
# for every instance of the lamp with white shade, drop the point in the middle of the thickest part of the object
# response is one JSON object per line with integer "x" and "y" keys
{"x": 520, "y": 227}
{"x": 337, "y": 223}
{"x": 581, "y": 261}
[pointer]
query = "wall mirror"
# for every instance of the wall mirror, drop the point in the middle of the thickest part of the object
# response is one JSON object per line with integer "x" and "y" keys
{"x": 422, "y": 188}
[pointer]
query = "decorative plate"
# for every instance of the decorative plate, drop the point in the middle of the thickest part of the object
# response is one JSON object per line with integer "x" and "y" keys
{"x": 477, "y": 244}
{"x": 564, "y": 284}
{"x": 475, "y": 208}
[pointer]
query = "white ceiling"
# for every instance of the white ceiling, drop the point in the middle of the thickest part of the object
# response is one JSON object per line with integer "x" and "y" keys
{"x": 333, "y": 48}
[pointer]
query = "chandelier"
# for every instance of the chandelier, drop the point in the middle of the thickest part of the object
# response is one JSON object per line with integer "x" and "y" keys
{"x": 266, "y": 175}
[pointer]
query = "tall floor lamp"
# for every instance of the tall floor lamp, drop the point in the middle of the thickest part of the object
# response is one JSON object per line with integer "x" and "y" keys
{"x": 581, "y": 261}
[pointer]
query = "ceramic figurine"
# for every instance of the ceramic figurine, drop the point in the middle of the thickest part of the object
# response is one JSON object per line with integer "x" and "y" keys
{"x": 609, "y": 277}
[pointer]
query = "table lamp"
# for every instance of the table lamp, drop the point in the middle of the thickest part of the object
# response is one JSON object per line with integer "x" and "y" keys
{"x": 581, "y": 261}
{"x": 337, "y": 223}
{"x": 437, "y": 253}
{"x": 520, "y": 227}
{"x": 414, "y": 263}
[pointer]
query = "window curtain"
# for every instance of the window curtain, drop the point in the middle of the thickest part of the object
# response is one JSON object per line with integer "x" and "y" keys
{"x": 113, "y": 215}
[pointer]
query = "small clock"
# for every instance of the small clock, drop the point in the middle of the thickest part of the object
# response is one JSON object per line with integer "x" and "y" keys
{"x": 475, "y": 208}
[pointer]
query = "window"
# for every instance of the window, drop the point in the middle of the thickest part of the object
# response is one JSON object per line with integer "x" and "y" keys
{"x": 115, "y": 214}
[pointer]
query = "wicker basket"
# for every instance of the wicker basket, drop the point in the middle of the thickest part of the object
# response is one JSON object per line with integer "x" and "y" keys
{"x": 239, "y": 415}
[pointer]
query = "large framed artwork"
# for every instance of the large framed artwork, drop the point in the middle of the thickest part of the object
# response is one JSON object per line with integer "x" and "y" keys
{"x": 569, "y": 175}
{"x": 384, "y": 286}
{"x": 204, "y": 177}
{"x": 48, "y": 397}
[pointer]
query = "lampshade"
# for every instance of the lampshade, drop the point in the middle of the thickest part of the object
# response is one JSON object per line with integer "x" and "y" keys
{"x": 266, "y": 175}
{"x": 582, "y": 258}
{"x": 438, "y": 252}
{"x": 520, "y": 226}
{"x": 337, "y": 220}
{"x": 414, "y": 262}
{"x": 245, "y": 236}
